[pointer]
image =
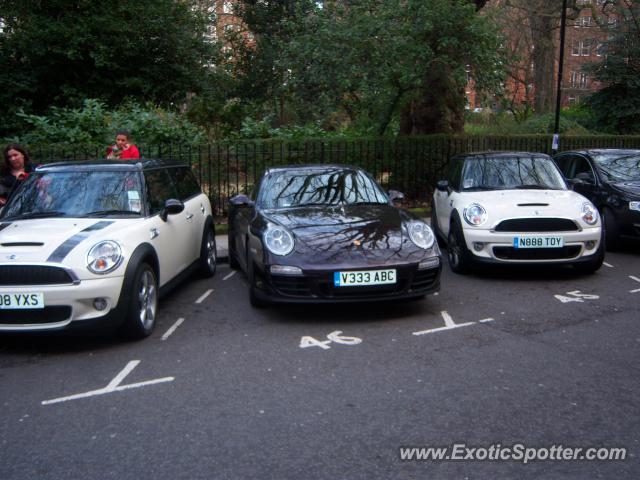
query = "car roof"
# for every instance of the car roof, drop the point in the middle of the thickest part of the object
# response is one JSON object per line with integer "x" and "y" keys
{"x": 501, "y": 154}
{"x": 311, "y": 167}
{"x": 604, "y": 151}
{"x": 111, "y": 165}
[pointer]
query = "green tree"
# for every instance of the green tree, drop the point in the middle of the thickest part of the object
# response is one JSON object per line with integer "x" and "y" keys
{"x": 617, "y": 105}
{"x": 58, "y": 53}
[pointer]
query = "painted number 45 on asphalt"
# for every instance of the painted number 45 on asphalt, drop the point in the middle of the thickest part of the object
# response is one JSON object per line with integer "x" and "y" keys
{"x": 336, "y": 337}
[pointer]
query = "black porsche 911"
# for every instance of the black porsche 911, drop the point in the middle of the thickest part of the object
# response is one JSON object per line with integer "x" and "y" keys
{"x": 329, "y": 233}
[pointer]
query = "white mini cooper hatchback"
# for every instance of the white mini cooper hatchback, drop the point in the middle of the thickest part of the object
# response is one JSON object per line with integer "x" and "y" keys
{"x": 94, "y": 244}
{"x": 514, "y": 208}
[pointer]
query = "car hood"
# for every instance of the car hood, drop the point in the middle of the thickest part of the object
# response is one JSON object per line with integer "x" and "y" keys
{"x": 631, "y": 188}
{"x": 504, "y": 204}
{"x": 350, "y": 233}
{"x": 51, "y": 239}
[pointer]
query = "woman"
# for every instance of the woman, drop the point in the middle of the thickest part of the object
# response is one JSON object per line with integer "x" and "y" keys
{"x": 16, "y": 168}
{"x": 123, "y": 150}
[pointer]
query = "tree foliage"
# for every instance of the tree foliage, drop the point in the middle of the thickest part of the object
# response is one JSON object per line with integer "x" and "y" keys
{"x": 617, "y": 105}
{"x": 60, "y": 52}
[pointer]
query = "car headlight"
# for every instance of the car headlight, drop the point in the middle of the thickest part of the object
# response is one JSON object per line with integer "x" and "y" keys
{"x": 634, "y": 206}
{"x": 475, "y": 214}
{"x": 421, "y": 234}
{"x": 104, "y": 257}
{"x": 589, "y": 213}
{"x": 278, "y": 240}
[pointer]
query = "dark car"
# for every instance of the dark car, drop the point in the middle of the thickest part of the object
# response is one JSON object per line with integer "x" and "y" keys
{"x": 610, "y": 178}
{"x": 319, "y": 233}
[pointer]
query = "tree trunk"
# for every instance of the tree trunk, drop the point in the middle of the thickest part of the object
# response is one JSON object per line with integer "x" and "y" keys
{"x": 543, "y": 30}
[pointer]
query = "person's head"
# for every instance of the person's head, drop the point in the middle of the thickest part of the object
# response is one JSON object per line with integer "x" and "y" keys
{"x": 15, "y": 158}
{"x": 122, "y": 138}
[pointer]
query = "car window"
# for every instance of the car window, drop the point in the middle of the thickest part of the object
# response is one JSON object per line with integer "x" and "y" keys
{"x": 511, "y": 172}
{"x": 564, "y": 163}
{"x": 185, "y": 182}
{"x": 159, "y": 189}
{"x": 580, "y": 165}
{"x": 619, "y": 167}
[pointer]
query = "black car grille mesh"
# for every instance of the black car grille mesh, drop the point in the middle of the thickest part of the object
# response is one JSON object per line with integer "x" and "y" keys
{"x": 292, "y": 286}
{"x": 33, "y": 275}
{"x": 424, "y": 279}
{"x": 537, "y": 225}
{"x": 53, "y": 314}
{"x": 510, "y": 253}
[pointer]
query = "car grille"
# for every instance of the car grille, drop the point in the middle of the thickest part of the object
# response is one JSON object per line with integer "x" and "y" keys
{"x": 329, "y": 290}
{"x": 537, "y": 225}
{"x": 510, "y": 253}
{"x": 292, "y": 286}
{"x": 424, "y": 279}
{"x": 53, "y": 314}
{"x": 33, "y": 275}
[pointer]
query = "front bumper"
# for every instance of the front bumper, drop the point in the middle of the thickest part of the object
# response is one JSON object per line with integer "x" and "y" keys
{"x": 316, "y": 285}
{"x": 65, "y": 306}
{"x": 497, "y": 247}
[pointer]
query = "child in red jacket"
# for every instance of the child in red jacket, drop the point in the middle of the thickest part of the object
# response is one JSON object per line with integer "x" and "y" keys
{"x": 123, "y": 150}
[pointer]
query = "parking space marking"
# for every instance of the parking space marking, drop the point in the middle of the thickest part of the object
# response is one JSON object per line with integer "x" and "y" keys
{"x": 449, "y": 325}
{"x": 172, "y": 328}
{"x": 607, "y": 265}
{"x": 113, "y": 386}
{"x": 576, "y": 296}
{"x": 229, "y": 276}
{"x": 204, "y": 295}
{"x": 637, "y": 280}
{"x": 485, "y": 320}
{"x": 336, "y": 337}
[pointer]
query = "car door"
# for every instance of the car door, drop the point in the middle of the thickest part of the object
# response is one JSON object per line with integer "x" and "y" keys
{"x": 578, "y": 169}
{"x": 243, "y": 213}
{"x": 170, "y": 238}
{"x": 196, "y": 212}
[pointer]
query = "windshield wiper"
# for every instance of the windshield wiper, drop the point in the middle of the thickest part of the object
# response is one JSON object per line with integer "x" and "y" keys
{"x": 100, "y": 213}
{"x": 533, "y": 187}
{"x": 481, "y": 188}
{"x": 26, "y": 216}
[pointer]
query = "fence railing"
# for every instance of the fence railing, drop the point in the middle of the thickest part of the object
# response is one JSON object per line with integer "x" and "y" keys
{"x": 411, "y": 165}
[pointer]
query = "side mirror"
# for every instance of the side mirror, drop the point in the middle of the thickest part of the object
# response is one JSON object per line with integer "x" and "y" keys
{"x": 241, "y": 201}
{"x": 171, "y": 207}
{"x": 395, "y": 196}
{"x": 443, "y": 185}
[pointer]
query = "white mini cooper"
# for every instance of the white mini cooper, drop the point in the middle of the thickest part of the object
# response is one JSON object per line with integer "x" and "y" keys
{"x": 514, "y": 207}
{"x": 93, "y": 244}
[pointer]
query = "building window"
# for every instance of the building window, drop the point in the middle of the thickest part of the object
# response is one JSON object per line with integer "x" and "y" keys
{"x": 572, "y": 99}
{"x": 574, "y": 79}
{"x": 227, "y": 7}
{"x": 583, "y": 80}
{"x": 585, "y": 48}
{"x": 586, "y": 21}
{"x": 575, "y": 48}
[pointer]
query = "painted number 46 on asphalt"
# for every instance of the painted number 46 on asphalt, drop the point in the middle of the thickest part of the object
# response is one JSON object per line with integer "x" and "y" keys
{"x": 336, "y": 337}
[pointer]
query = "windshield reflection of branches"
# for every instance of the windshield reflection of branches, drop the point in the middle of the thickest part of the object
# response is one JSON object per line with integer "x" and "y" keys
{"x": 625, "y": 168}
{"x": 337, "y": 187}
{"x": 511, "y": 173}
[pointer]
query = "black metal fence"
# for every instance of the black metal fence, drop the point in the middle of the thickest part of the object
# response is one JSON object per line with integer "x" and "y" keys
{"x": 411, "y": 165}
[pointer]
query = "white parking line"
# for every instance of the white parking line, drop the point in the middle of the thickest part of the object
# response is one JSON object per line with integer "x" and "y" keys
{"x": 485, "y": 320}
{"x": 113, "y": 386}
{"x": 172, "y": 328}
{"x": 204, "y": 295}
{"x": 607, "y": 265}
{"x": 637, "y": 280}
{"x": 229, "y": 276}
{"x": 449, "y": 325}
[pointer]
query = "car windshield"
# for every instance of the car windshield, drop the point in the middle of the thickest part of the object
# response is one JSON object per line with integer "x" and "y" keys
{"x": 76, "y": 194}
{"x": 506, "y": 173}
{"x": 330, "y": 186}
{"x": 619, "y": 168}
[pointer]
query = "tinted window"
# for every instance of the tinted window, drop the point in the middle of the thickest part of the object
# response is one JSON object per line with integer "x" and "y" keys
{"x": 185, "y": 182}
{"x": 159, "y": 189}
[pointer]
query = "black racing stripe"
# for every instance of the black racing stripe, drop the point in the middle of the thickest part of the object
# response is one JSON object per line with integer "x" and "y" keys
{"x": 60, "y": 253}
{"x": 4, "y": 225}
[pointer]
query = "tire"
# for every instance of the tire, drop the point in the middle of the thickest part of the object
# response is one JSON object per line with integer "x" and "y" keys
{"x": 253, "y": 298}
{"x": 434, "y": 226}
{"x": 233, "y": 258}
{"x": 611, "y": 229}
{"x": 595, "y": 263}
{"x": 208, "y": 253}
{"x": 142, "y": 310}
{"x": 458, "y": 255}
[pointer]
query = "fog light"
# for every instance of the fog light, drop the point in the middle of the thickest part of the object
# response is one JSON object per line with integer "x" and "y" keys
{"x": 477, "y": 246}
{"x": 285, "y": 270}
{"x": 100, "y": 304}
{"x": 429, "y": 263}
{"x": 590, "y": 244}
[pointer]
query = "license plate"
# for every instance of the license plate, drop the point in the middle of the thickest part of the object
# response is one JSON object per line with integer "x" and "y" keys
{"x": 538, "y": 242}
{"x": 364, "y": 278}
{"x": 20, "y": 301}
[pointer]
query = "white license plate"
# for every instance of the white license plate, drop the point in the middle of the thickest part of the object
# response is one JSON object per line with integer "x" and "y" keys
{"x": 538, "y": 242}
{"x": 19, "y": 301}
{"x": 364, "y": 278}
